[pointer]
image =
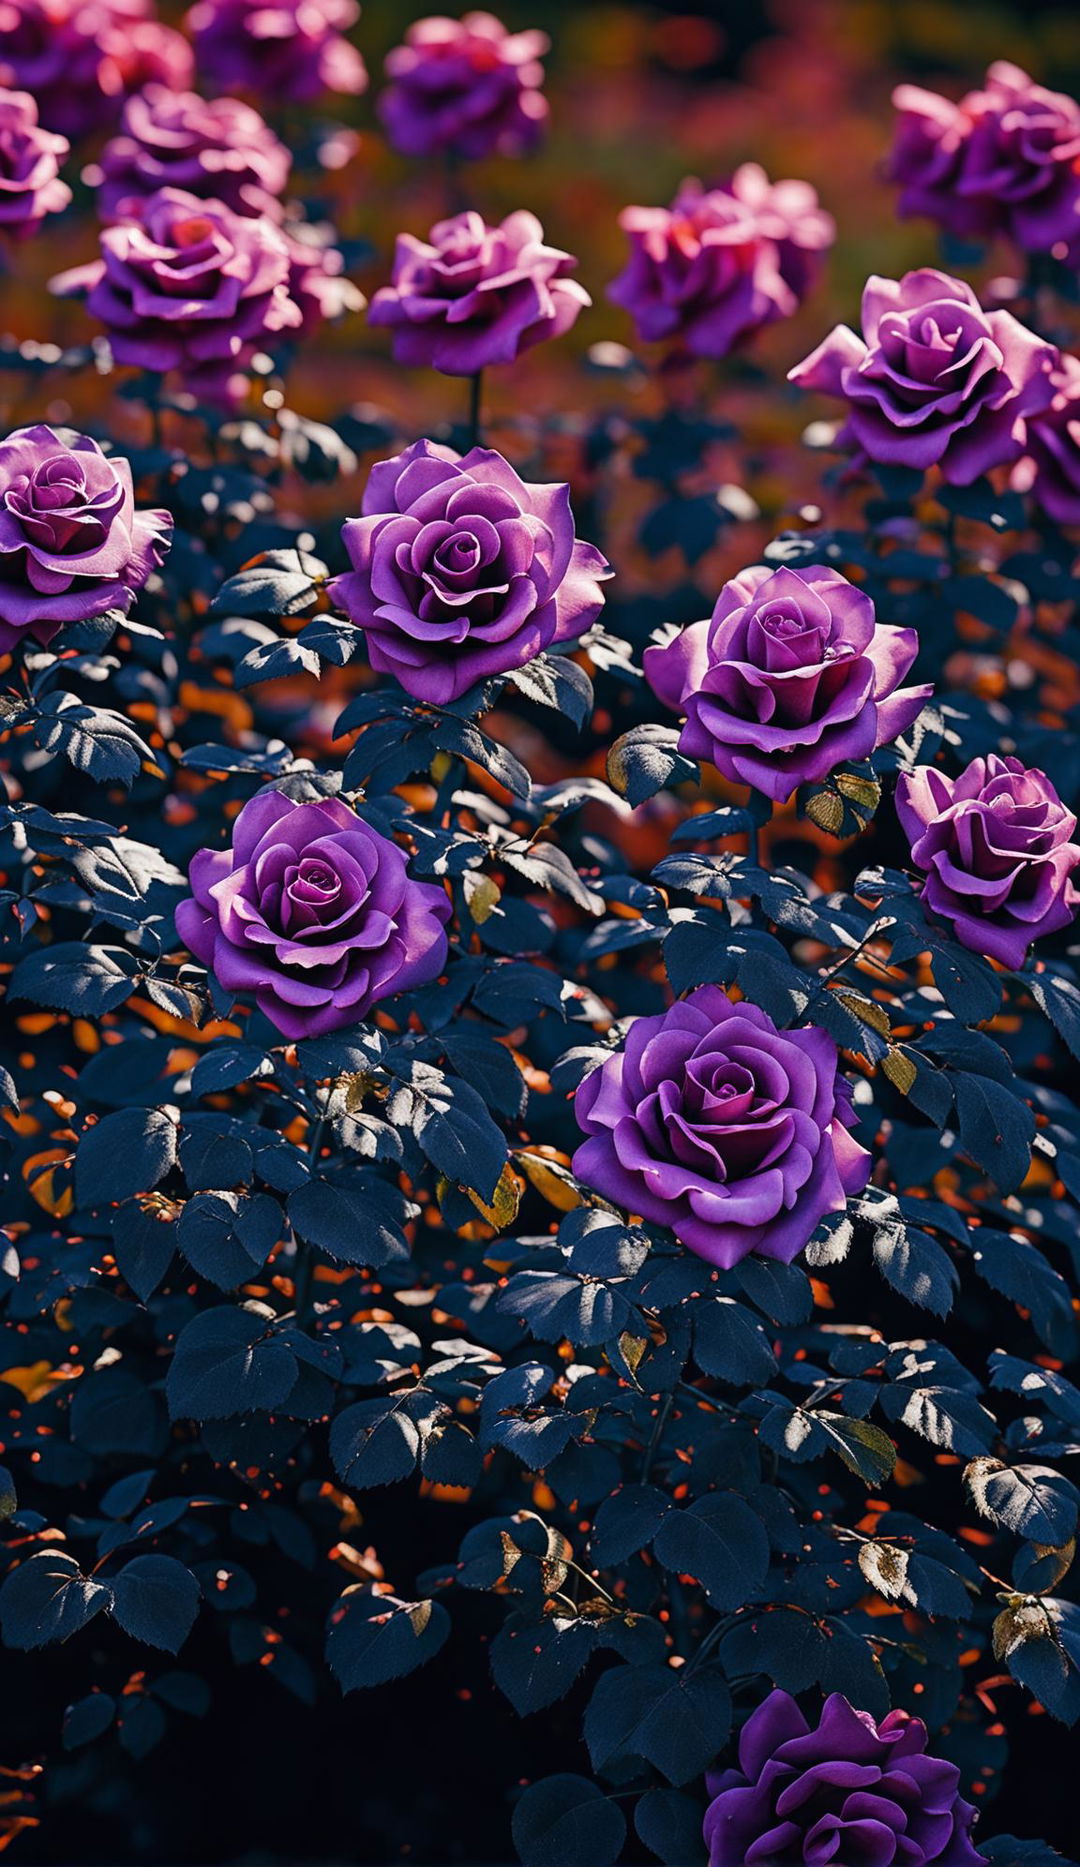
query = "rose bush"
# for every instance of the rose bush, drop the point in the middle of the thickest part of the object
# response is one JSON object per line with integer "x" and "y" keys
{"x": 538, "y": 1132}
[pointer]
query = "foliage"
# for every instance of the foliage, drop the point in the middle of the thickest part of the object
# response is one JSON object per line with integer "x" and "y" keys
{"x": 259, "y": 1291}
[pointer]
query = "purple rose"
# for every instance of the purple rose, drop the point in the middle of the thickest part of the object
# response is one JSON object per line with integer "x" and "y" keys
{"x": 928, "y": 158}
{"x": 30, "y": 158}
{"x": 713, "y": 1122}
{"x": 1023, "y": 161}
{"x": 466, "y": 88}
{"x": 473, "y": 295}
{"x": 1051, "y": 468}
{"x": 849, "y": 1792}
{"x": 791, "y": 216}
{"x": 790, "y": 677}
{"x": 934, "y": 380}
{"x": 314, "y": 912}
{"x": 462, "y": 570}
{"x": 79, "y": 58}
{"x": 220, "y": 150}
{"x": 189, "y": 286}
{"x": 72, "y": 543}
{"x": 702, "y": 274}
{"x": 293, "y": 49}
{"x": 150, "y": 53}
{"x": 994, "y": 846}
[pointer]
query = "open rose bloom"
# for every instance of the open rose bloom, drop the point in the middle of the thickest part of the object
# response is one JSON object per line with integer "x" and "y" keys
{"x": 472, "y": 295}
{"x": 188, "y": 285}
{"x": 1004, "y": 159}
{"x": 847, "y": 1792}
{"x": 462, "y": 570}
{"x": 711, "y": 1121}
{"x": 73, "y": 543}
{"x": 465, "y": 88}
{"x": 313, "y": 912}
{"x": 933, "y": 380}
{"x": 789, "y": 678}
{"x": 996, "y": 847}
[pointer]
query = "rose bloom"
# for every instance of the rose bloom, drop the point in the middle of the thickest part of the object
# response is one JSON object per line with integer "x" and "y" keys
{"x": 30, "y": 158}
{"x": 219, "y": 149}
{"x": 150, "y": 53}
{"x": 1050, "y": 472}
{"x": 703, "y": 274}
{"x": 314, "y": 912}
{"x": 995, "y": 846}
{"x": 790, "y": 677}
{"x": 293, "y": 49}
{"x": 462, "y": 570}
{"x": 791, "y": 216}
{"x": 474, "y": 295}
{"x": 1023, "y": 156}
{"x": 189, "y": 286}
{"x": 72, "y": 542}
{"x": 78, "y": 58}
{"x": 847, "y": 1791}
{"x": 934, "y": 380}
{"x": 713, "y": 1122}
{"x": 466, "y": 88}
{"x": 928, "y": 157}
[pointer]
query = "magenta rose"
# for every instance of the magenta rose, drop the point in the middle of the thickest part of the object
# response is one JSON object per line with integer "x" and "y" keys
{"x": 934, "y": 380}
{"x": 462, "y": 570}
{"x": 713, "y": 1122}
{"x": 790, "y": 677}
{"x": 995, "y": 847}
{"x": 150, "y": 53}
{"x": 847, "y": 1793}
{"x": 294, "y": 49}
{"x": 466, "y": 88}
{"x": 30, "y": 158}
{"x": 474, "y": 295}
{"x": 314, "y": 912}
{"x": 72, "y": 541}
{"x": 1023, "y": 160}
{"x": 220, "y": 150}
{"x": 1050, "y": 471}
{"x": 703, "y": 274}
{"x": 80, "y": 58}
{"x": 930, "y": 151}
{"x": 189, "y": 286}
{"x": 791, "y": 216}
